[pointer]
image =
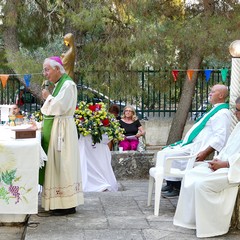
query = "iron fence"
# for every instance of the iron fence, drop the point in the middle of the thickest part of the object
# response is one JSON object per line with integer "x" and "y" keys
{"x": 15, "y": 92}
{"x": 154, "y": 93}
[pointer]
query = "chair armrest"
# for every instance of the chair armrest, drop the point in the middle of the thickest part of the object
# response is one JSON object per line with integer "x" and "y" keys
{"x": 181, "y": 157}
{"x": 190, "y": 159}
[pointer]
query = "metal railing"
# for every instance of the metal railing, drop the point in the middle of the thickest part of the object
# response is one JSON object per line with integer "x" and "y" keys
{"x": 153, "y": 92}
{"x": 157, "y": 94}
{"x": 15, "y": 92}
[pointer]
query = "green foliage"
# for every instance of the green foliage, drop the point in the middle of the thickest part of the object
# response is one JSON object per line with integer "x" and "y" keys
{"x": 37, "y": 23}
{"x": 26, "y": 64}
{"x": 117, "y": 36}
{"x": 52, "y": 48}
{"x": 30, "y": 61}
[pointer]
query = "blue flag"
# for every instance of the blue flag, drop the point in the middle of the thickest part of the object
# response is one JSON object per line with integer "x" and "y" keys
{"x": 207, "y": 73}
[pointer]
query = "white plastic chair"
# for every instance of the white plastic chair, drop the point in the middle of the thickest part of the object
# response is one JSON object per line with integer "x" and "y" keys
{"x": 165, "y": 169}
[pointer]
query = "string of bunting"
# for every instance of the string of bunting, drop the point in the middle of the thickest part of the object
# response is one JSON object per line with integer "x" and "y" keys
{"x": 207, "y": 73}
{"x": 26, "y": 78}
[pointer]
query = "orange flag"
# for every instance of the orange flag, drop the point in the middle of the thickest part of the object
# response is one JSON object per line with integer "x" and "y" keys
{"x": 190, "y": 73}
{"x": 4, "y": 78}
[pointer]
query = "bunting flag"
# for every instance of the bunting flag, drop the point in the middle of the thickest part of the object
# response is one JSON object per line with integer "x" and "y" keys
{"x": 190, "y": 74}
{"x": 27, "y": 79}
{"x": 4, "y": 78}
{"x": 175, "y": 74}
{"x": 207, "y": 73}
{"x": 224, "y": 73}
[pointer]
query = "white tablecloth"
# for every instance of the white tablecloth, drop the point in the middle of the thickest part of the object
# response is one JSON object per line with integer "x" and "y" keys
{"x": 19, "y": 166}
{"x": 4, "y": 112}
{"x": 97, "y": 172}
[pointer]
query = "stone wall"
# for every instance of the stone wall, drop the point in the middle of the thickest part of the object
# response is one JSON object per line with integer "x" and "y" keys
{"x": 157, "y": 130}
{"x": 136, "y": 165}
{"x": 132, "y": 164}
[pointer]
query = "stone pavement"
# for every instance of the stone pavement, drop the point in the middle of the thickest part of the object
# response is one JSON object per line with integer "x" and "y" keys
{"x": 123, "y": 215}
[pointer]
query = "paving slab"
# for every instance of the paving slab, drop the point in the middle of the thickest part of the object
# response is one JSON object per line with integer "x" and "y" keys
{"x": 123, "y": 215}
{"x": 12, "y": 232}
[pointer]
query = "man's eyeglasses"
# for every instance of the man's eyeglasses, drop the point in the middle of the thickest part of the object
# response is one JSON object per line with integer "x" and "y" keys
{"x": 237, "y": 110}
{"x": 45, "y": 70}
{"x": 128, "y": 111}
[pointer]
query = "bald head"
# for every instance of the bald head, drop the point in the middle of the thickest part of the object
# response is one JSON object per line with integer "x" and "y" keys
{"x": 218, "y": 94}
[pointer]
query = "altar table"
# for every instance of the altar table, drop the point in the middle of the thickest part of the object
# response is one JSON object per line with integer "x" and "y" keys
{"x": 19, "y": 166}
{"x": 4, "y": 112}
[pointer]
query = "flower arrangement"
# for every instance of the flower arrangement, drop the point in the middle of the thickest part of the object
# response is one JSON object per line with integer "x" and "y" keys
{"x": 37, "y": 116}
{"x": 94, "y": 119}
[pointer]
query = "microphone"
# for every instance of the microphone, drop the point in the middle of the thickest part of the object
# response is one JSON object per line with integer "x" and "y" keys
{"x": 46, "y": 84}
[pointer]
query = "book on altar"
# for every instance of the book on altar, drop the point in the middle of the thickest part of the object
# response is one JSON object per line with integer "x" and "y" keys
{"x": 21, "y": 133}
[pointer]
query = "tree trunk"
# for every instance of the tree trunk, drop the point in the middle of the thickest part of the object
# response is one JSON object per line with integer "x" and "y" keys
{"x": 185, "y": 102}
{"x": 194, "y": 62}
{"x": 10, "y": 29}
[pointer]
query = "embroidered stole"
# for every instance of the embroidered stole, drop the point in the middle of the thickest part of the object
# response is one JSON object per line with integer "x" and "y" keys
{"x": 200, "y": 125}
{"x": 47, "y": 125}
{"x": 202, "y": 122}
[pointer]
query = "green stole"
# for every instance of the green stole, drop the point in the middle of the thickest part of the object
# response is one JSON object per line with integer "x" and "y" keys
{"x": 199, "y": 128}
{"x": 204, "y": 121}
{"x": 47, "y": 125}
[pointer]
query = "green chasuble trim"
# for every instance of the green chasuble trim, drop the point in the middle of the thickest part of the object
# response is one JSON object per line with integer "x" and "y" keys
{"x": 199, "y": 128}
{"x": 47, "y": 125}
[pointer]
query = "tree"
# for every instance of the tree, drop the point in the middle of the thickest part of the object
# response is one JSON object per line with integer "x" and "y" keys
{"x": 209, "y": 40}
{"x": 121, "y": 35}
{"x": 21, "y": 34}
{"x": 110, "y": 35}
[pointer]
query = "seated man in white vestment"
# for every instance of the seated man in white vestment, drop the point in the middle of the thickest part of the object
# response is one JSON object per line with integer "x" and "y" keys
{"x": 209, "y": 191}
{"x": 212, "y": 130}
